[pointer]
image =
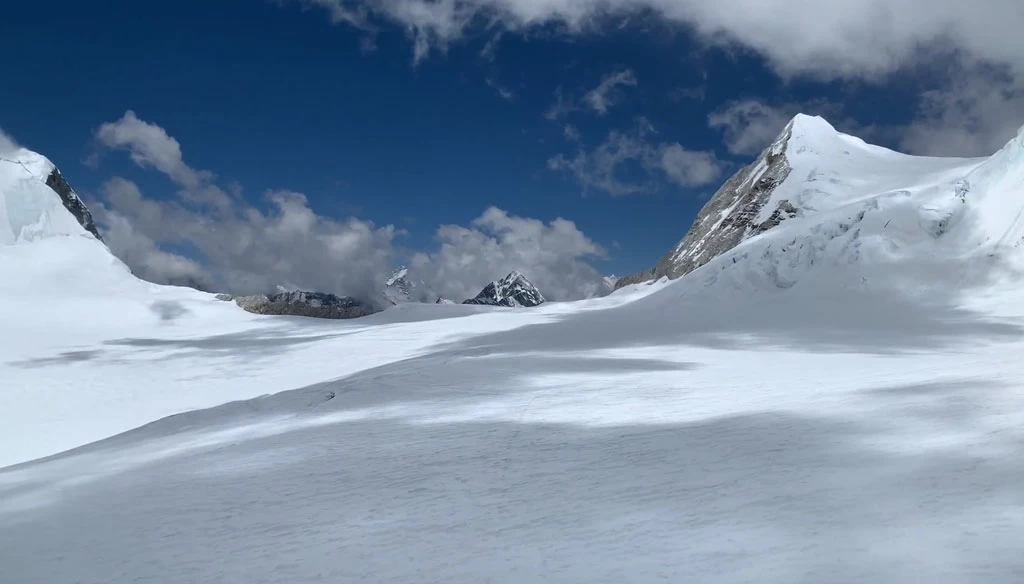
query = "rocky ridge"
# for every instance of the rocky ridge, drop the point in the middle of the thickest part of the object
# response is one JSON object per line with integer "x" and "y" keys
{"x": 730, "y": 216}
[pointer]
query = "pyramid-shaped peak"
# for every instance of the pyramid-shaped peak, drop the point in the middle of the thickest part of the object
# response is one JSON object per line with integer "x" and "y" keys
{"x": 512, "y": 290}
{"x": 805, "y": 125}
{"x": 515, "y": 275}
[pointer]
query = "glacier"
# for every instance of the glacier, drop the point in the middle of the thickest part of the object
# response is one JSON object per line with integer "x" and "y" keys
{"x": 837, "y": 398}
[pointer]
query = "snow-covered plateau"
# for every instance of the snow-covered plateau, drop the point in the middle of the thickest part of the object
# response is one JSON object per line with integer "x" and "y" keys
{"x": 836, "y": 398}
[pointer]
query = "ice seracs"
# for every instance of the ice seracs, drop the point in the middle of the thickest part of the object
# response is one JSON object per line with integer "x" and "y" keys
{"x": 511, "y": 291}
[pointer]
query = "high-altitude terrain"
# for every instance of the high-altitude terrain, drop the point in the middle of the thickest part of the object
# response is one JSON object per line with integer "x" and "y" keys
{"x": 822, "y": 384}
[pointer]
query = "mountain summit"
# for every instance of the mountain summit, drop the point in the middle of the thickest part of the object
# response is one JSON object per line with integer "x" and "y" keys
{"x": 809, "y": 169}
{"x": 512, "y": 290}
{"x": 37, "y": 202}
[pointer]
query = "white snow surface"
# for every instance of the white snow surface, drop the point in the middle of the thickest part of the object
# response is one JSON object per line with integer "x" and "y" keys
{"x": 836, "y": 400}
{"x": 29, "y": 209}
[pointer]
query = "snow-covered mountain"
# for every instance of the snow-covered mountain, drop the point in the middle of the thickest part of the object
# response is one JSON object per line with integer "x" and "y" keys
{"x": 397, "y": 288}
{"x": 813, "y": 174}
{"x": 824, "y": 400}
{"x": 37, "y": 201}
{"x": 511, "y": 291}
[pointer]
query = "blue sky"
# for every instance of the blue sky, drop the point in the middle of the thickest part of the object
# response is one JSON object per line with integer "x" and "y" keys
{"x": 421, "y": 114}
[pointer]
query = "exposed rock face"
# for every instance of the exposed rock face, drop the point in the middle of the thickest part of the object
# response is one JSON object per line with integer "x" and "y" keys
{"x": 398, "y": 289}
{"x": 512, "y": 290}
{"x": 729, "y": 217}
{"x": 300, "y": 303}
{"x": 71, "y": 202}
{"x": 444, "y": 301}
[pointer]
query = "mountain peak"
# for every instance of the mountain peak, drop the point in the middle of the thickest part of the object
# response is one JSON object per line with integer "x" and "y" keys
{"x": 32, "y": 194}
{"x": 805, "y": 123}
{"x": 511, "y": 291}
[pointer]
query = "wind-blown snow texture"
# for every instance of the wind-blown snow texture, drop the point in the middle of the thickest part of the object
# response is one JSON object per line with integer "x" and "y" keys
{"x": 837, "y": 399}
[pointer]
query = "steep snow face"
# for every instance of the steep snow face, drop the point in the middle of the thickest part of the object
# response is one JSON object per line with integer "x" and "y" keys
{"x": 810, "y": 168}
{"x": 511, "y": 291}
{"x": 36, "y": 202}
{"x": 872, "y": 219}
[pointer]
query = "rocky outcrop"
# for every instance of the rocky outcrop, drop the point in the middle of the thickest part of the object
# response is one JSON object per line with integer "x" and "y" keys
{"x": 300, "y": 303}
{"x": 729, "y": 217}
{"x": 441, "y": 300}
{"x": 397, "y": 288}
{"x": 72, "y": 202}
{"x": 511, "y": 291}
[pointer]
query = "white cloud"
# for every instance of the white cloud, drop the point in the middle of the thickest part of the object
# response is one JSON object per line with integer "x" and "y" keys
{"x": 835, "y": 38}
{"x": 242, "y": 249}
{"x": 502, "y": 91}
{"x": 602, "y": 168}
{"x": 554, "y": 256}
{"x": 975, "y": 115}
{"x": 607, "y": 93}
{"x": 7, "y": 143}
{"x": 143, "y": 255}
{"x": 689, "y": 168}
{"x": 148, "y": 145}
{"x": 750, "y": 125}
{"x": 599, "y": 99}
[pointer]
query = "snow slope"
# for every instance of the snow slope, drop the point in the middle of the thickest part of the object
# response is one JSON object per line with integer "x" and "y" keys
{"x": 29, "y": 209}
{"x": 837, "y": 400}
{"x": 876, "y": 219}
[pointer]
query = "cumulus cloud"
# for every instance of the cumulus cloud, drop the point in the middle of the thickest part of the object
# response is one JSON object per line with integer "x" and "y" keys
{"x": 7, "y": 143}
{"x": 149, "y": 146}
{"x": 688, "y": 168}
{"x": 974, "y": 115}
{"x": 142, "y": 254}
{"x": 607, "y": 93}
{"x": 827, "y": 40}
{"x": 838, "y": 38}
{"x": 554, "y": 256}
{"x": 243, "y": 248}
{"x": 239, "y": 247}
{"x": 606, "y": 167}
{"x": 748, "y": 126}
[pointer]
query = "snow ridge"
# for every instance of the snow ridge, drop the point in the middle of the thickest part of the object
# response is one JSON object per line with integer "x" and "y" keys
{"x": 812, "y": 174}
{"x": 37, "y": 202}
